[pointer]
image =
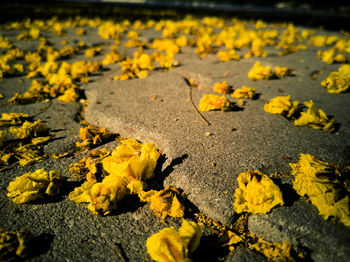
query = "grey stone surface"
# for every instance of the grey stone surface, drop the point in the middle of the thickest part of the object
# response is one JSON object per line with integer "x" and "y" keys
{"x": 245, "y": 255}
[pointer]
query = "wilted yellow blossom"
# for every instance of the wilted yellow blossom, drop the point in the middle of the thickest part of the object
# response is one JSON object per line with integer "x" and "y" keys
{"x": 5, "y": 43}
{"x": 80, "y": 31}
{"x": 33, "y": 34}
{"x": 182, "y": 41}
{"x": 228, "y": 55}
{"x": 164, "y": 202}
{"x": 326, "y": 56}
{"x": 133, "y": 34}
{"x": 257, "y": 48}
{"x": 338, "y": 82}
{"x": 214, "y": 102}
{"x": 221, "y": 87}
{"x": 318, "y": 40}
{"x": 130, "y": 164}
{"x": 12, "y": 118}
{"x": 258, "y": 71}
{"x": 93, "y": 136}
{"x": 282, "y": 71}
{"x": 81, "y": 69}
{"x": 273, "y": 251}
{"x": 112, "y": 57}
{"x": 69, "y": 95}
{"x": 244, "y": 92}
{"x": 256, "y": 193}
{"x": 13, "y": 245}
{"x": 8, "y": 68}
{"x": 90, "y": 166}
{"x": 29, "y": 129}
{"x": 31, "y": 186}
{"x": 134, "y": 161}
{"x": 166, "y": 61}
{"x": 110, "y": 30}
{"x": 174, "y": 245}
{"x": 282, "y": 105}
{"x": 320, "y": 182}
{"x": 315, "y": 118}
{"x": 91, "y": 52}
{"x": 167, "y": 45}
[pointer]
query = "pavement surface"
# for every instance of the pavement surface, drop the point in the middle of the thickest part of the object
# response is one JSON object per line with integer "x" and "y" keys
{"x": 158, "y": 109}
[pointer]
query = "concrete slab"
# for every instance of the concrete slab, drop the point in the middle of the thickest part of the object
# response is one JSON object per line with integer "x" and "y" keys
{"x": 241, "y": 140}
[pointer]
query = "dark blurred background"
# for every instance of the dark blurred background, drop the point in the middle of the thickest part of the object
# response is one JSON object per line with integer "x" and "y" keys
{"x": 333, "y": 14}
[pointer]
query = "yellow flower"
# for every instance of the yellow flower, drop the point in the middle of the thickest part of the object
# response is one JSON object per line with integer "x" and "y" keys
{"x": 282, "y": 105}
{"x": 283, "y": 71}
{"x": 273, "y": 251}
{"x": 258, "y": 71}
{"x": 174, "y": 245}
{"x": 338, "y": 82}
{"x": 12, "y": 118}
{"x": 221, "y": 87}
{"x": 69, "y": 95}
{"x": 31, "y": 186}
{"x": 229, "y": 55}
{"x": 80, "y": 31}
{"x": 326, "y": 56}
{"x": 164, "y": 202}
{"x": 320, "y": 182}
{"x": 214, "y": 102}
{"x": 130, "y": 164}
{"x": 244, "y": 92}
{"x": 256, "y": 193}
{"x": 182, "y": 41}
{"x": 91, "y": 52}
{"x": 315, "y": 118}
{"x": 112, "y": 58}
{"x": 29, "y": 129}
{"x": 93, "y": 136}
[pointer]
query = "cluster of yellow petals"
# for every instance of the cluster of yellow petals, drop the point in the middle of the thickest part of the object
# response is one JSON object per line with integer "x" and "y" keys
{"x": 320, "y": 182}
{"x": 130, "y": 164}
{"x": 228, "y": 55}
{"x": 174, "y": 245}
{"x": 282, "y": 71}
{"x": 112, "y": 57}
{"x": 213, "y": 102}
{"x": 282, "y": 105}
{"x": 30, "y": 135}
{"x": 221, "y": 87}
{"x": 136, "y": 68}
{"x": 259, "y": 71}
{"x": 329, "y": 56}
{"x": 14, "y": 245}
{"x": 32, "y": 186}
{"x": 91, "y": 52}
{"x": 256, "y": 193}
{"x": 164, "y": 202}
{"x": 244, "y": 92}
{"x": 315, "y": 118}
{"x": 338, "y": 82}
{"x": 92, "y": 136}
{"x": 273, "y": 251}
{"x": 12, "y": 118}
{"x": 7, "y": 66}
{"x": 89, "y": 166}
{"x": 29, "y": 129}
